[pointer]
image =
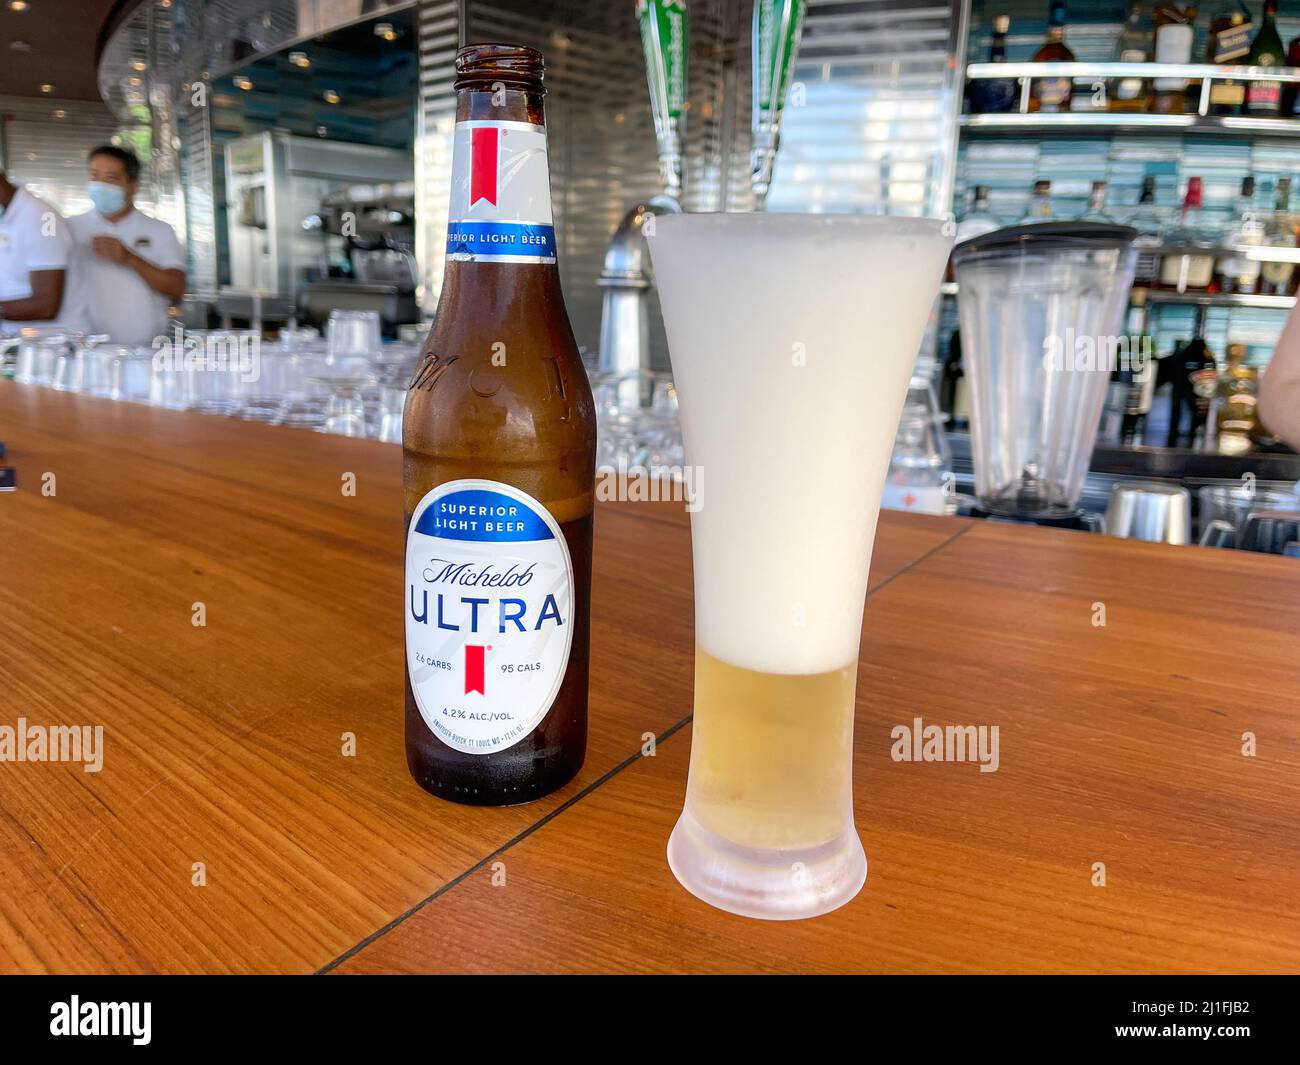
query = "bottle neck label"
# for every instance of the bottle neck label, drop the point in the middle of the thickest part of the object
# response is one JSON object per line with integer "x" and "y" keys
{"x": 500, "y": 207}
{"x": 489, "y": 613}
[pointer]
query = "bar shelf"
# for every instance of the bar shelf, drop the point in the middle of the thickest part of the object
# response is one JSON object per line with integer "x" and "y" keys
{"x": 1197, "y": 121}
{"x": 1087, "y": 121}
{"x": 1145, "y": 71}
{"x": 1169, "y": 297}
{"x": 1220, "y": 299}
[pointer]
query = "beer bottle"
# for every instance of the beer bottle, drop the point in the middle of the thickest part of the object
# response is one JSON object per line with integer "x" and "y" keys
{"x": 499, "y": 448}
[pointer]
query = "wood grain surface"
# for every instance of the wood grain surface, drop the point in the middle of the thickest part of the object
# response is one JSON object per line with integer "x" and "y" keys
{"x": 1119, "y": 744}
{"x": 224, "y": 743}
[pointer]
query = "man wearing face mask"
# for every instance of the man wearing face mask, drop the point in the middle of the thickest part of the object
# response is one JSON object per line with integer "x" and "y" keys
{"x": 129, "y": 267}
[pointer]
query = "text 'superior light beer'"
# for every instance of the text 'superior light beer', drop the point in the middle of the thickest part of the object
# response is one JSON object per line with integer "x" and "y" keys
{"x": 792, "y": 340}
{"x": 499, "y": 447}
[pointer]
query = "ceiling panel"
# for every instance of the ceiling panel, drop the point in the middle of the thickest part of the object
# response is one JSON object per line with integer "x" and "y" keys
{"x": 53, "y": 42}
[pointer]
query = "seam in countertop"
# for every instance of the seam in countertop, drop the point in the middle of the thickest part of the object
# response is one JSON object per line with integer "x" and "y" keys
{"x": 917, "y": 561}
{"x": 600, "y": 781}
{"x": 401, "y": 918}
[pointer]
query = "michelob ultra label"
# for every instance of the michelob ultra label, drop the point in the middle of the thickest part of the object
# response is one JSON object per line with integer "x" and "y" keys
{"x": 489, "y": 600}
{"x": 500, "y": 207}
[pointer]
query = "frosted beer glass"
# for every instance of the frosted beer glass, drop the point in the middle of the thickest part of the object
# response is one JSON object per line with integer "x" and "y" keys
{"x": 792, "y": 340}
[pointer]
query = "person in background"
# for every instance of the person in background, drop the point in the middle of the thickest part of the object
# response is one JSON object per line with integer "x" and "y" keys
{"x": 1279, "y": 387}
{"x": 34, "y": 250}
{"x": 129, "y": 268}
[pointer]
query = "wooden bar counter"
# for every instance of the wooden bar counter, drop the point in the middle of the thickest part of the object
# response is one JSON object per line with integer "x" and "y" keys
{"x": 254, "y": 813}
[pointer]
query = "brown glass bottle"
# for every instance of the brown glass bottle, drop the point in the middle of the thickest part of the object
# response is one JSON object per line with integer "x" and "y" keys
{"x": 1052, "y": 94}
{"x": 499, "y": 442}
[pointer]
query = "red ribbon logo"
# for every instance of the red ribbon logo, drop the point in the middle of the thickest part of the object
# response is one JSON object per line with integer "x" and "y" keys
{"x": 483, "y": 164}
{"x": 474, "y": 668}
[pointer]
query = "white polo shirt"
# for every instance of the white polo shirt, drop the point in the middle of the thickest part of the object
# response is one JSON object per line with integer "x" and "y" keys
{"x": 33, "y": 237}
{"x": 111, "y": 297}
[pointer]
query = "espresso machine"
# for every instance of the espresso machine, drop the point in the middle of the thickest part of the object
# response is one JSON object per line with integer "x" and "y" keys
{"x": 369, "y": 231}
{"x": 275, "y": 182}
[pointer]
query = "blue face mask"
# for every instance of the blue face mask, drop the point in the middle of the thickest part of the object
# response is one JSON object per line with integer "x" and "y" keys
{"x": 108, "y": 199}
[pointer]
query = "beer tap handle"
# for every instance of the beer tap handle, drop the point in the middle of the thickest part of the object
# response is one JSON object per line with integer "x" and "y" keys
{"x": 664, "y": 40}
{"x": 778, "y": 26}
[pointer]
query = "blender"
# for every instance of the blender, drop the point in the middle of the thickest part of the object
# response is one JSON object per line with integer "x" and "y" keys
{"x": 1041, "y": 309}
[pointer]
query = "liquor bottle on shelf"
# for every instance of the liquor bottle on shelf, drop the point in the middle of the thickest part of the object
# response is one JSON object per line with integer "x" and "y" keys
{"x": 1196, "y": 378}
{"x": 1130, "y": 94}
{"x": 1279, "y": 232}
{"x": 1236, "y": 272}
{"x": 1175, "y": 32}
{"x": 1291, "y": 92}
{"x": 979, "y": 218}
{"x": 1040, "y": 204}
{"x": 1096, "y": 209}
{"x": 1148, "y": 220}
{"x": 953, "y": 398}
{"x": 995, "y": 95}
{"x": 1052, "y": 94}
{"x": 920, "y": 467}
{"x": 1187, "y": 269}
{"x": 1112, "y": 409}
{"x": 1139, "y": 375}
{"x": 1264, "y": 98}
{"x": 1228, "y": 42}
{"x": 1235, "y": 416}
{"x": 1233, "y": 356}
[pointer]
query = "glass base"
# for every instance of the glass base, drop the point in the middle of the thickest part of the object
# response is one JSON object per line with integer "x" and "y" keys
{"x": 770, "y": 884}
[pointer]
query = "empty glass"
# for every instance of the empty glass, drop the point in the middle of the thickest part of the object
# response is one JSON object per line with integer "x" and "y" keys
{"x": 303, "y": 403}
{"x": 129, "y": 376}
{"x": 636, "y": 422}
{"x": 261, "y": 393}
{"x": 102, "y": 371}
{"x": 31, "y": 364}
{"x": 392, "y": 403}
{"x": 413, "y": 332}
{"x": 210, "y": 388}
{"x": 395, "y": 363}
{"x": 353, "y": 333}
{"x": 298, "y": 338}
{"x": 168, "y": 385}
{"x": 343, "y": 381}
{"x": 38, "y": 351}
{"x": 1231, "y": 503}
{"x": 69, "y": 370}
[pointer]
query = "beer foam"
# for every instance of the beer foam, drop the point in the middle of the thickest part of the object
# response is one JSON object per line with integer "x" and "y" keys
{"x": 793, "y": 339}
